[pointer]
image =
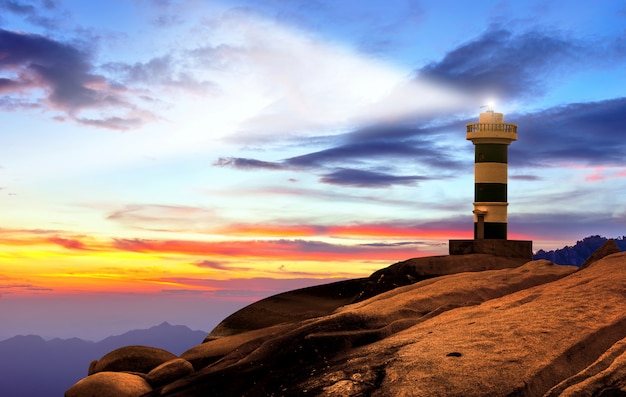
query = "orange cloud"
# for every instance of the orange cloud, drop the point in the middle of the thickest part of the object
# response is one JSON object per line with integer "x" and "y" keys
{"x": 377, "y": 230}
{"x": 272, "y": 249}
{"x": 72, "y": 244}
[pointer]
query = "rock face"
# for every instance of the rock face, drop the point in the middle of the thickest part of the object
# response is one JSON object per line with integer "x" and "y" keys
{"x": 130, "y": 371}
{"x": 322, "y": 300}
{"x": 516, "y": 329}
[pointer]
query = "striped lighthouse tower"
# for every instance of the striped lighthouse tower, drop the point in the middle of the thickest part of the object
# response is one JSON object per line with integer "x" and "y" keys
{"x": 491, "y": 137}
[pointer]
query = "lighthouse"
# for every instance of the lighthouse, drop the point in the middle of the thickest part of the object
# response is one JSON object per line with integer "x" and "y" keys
{"x": 491, "y": 137}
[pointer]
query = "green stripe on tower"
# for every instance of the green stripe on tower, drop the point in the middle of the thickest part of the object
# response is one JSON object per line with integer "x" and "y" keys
{"x": 490, "y": 192}
{"x": 493, "y": 230}
{"x": 491, "y": 153}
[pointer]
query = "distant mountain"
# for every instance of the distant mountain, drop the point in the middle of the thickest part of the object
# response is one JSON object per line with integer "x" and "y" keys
{"x": 33, "y": 367}
{"x": 576, "y": 255}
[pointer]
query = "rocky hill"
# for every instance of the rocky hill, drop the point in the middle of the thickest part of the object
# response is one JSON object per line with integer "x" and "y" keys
{"x": 466, "y": 325}
{"x": 576, "y": 254}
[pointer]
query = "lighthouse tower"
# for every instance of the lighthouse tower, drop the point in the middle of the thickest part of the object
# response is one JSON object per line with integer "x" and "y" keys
{"x": 491, "y": 137}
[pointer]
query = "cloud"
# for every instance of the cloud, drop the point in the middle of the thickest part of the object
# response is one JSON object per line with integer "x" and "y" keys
{"x": 71, "y": 244}
{"x": 158, "y": 217}
{"x": 382, "y": 144}
{"x": 577, "y": 132}
{"x": 383, "y": 230}
{"x": 281, "y": 249}
{"x": 59, "y": 76}
{"x": 217, "y": 265}
{"x": 505, "y": 64}
{"x": 165, "y": 71}
{"x": 299, "y": 84}
{"x": 11, "y": 285}
{"x": 247, "y": 164}
{"x": 565, "y": 226}
{"x": 31, "y": 11}
{"x": 362, "y": 178}
{"x": 525, "y": 177}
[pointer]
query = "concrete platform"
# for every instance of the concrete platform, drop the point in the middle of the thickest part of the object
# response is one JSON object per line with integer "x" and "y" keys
{"x": 505, "y": 248}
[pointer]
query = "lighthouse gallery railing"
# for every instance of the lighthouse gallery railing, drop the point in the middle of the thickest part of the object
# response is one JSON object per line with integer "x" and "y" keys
{"x": 502, "y": 127}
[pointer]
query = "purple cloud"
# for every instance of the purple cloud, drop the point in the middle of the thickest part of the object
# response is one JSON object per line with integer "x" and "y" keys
{"x": 247, "y": 164}
{"x": 503, "y": 64}
{"x": 362, "y": 178}
{"x": 64, "y": 72}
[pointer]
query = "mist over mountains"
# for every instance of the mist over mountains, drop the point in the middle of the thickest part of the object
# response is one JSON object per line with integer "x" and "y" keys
{"x": 33, "y": 367}
{"x": 575, "y": 255}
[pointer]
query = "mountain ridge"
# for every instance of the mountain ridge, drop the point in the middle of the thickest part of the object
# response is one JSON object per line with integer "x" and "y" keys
{"x": 576, "y": 254}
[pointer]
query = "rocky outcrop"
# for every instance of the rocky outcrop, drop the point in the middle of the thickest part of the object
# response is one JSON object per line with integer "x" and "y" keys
{"x": 608, "y": 248}
{"x": 131, "y": 358}
{"x": 530, "y": 330}
{"x": 130, "y": 371}
{"x": 322, "y": 300}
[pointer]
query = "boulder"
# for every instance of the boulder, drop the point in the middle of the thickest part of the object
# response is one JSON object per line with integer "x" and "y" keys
{"x": 608, "y": 248}
{"x": 109, "y": 384}
{"x": 169, "y": 371}
{"x": 132, "y": 359}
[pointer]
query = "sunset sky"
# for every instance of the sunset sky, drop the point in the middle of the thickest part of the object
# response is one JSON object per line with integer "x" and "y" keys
{"x": 166, "y": 160}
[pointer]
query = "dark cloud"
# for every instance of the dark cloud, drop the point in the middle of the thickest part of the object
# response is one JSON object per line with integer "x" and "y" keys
{"x": 32, "y": 11}
{"x": 43, "y": 62}
{"x": 63, "y": 72}
{"x": 247, "y": 164}
{"x": 362, "y": 178}
{"x": 216, "y": 265}
{"x": 370, "y": 156}
{"x": 525, "y": 177}
{"x": 504, "y": 64}
{"x": 372, "y": 149}
{"x": 589, "y": 133}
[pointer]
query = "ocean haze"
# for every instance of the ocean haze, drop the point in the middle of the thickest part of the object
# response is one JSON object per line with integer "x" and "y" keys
{"x": 95, "y": 317}
{"x": 34, "y": 367}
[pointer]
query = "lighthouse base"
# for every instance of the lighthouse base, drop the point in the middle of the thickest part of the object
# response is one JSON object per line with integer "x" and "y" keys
{"x": 498, "y": 247}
